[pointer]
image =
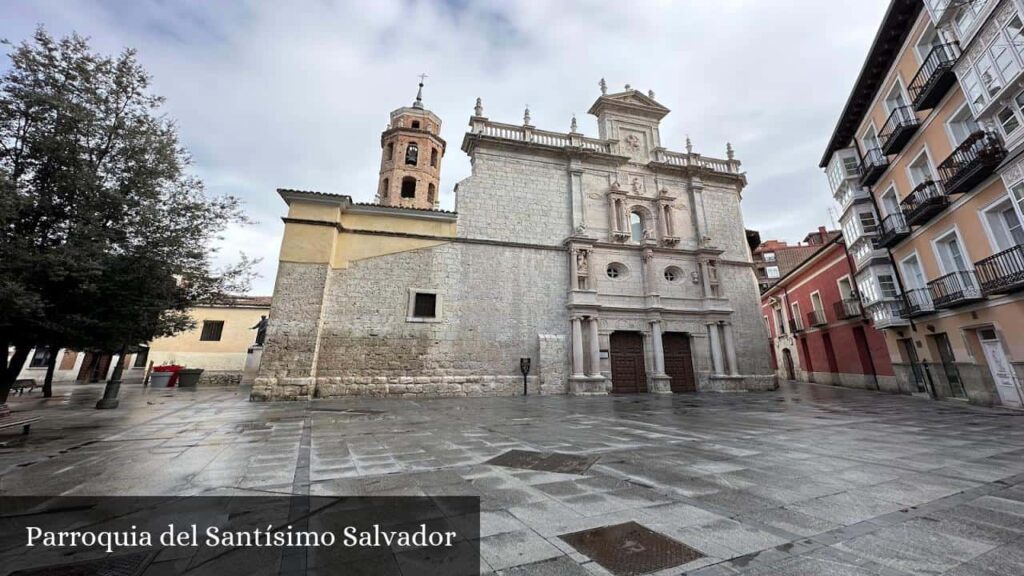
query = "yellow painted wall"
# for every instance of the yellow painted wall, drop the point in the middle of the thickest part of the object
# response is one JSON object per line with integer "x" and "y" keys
{"x": 322, "y": 242}
{"x": 235, "y": 338}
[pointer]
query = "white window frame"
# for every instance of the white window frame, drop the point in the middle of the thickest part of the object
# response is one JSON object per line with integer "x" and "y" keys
{"x": 934, "y": 33}
{"x": 820, "y": 301}
{"x": 953, "y": 231}
{"x": 881, "y": 200}
{"x": 870, "y": 128}
{"x": 897, "y": 83}
{"x": 768, "y": 274}
{"x": 931, "y": 166}
{"x": 987, "y": 225}
{"x": 910, "y": 277}
{"x": 949, "y": 122}
{"x": 411, "y": 309}
{"x": 849, "y": 280}
{"x": 794, "y": 309}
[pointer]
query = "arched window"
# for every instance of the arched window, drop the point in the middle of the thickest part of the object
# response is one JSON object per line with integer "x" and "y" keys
{"x": 408, "y": 187}
{"x": 433, "y": 157}
{"x": 412, "y": 154}
{"x": 384, "y": 188}
{"x": 415, "y": 123}
{"x": 390, "y": 151}
{"x": 636, "y": 227}
{"x": 430, "y": 193}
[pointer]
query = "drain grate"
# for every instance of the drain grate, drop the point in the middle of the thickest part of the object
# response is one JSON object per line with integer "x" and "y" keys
{"x": 544, "y": 461}
{"x": 123, "y": 565}
{"x": 253, "y": 426}
{"x": 631, "y": 549}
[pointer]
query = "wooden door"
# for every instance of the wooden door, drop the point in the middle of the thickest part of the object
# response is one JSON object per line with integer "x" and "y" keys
{"x": 679, "y": 362}
{"x": 628, "y": 374}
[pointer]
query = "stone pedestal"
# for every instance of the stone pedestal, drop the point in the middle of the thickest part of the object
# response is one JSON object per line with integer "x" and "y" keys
{"x": 587, "y": 385}
{"x": 660, "y": 384}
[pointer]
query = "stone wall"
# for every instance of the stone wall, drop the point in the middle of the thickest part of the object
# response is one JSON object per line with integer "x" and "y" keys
{"x": 515, "y": 198}
{"x": 291, "y": 343}
{"x": 495, "y": 302}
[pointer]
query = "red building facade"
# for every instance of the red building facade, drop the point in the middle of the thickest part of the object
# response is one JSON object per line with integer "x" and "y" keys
{"x": 817, "y": 328}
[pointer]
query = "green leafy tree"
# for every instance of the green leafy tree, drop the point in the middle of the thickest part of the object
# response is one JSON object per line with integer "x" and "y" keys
{"x": 105, "y": 238}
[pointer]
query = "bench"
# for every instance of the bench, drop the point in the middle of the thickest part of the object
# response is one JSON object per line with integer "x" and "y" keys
{"x": 20, "y": 385}
{"x": 14, "y": 422}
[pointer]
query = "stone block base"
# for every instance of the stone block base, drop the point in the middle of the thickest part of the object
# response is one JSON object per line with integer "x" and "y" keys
{"x": 742, "y": 383}
{"x": 267, "y": 388}
{"x": 660, "y": 384}
{"x": 587, "y": 385}
{"x": 214, "y": 379}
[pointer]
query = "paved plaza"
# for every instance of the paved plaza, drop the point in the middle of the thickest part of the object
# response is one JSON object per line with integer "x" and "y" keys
{"x": 807, "y": 480}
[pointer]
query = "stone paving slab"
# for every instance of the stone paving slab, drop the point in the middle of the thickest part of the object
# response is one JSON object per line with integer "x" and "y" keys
{"x": 806, "y": 480}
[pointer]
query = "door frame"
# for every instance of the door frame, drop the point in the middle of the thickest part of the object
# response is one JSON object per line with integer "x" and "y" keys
{"x": 997, "y": 344}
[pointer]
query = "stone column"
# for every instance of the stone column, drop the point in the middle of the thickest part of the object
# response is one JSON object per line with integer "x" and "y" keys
{"x": 595, "y": 349}
{"x": 659, "y": 350}
{"x": 730, "y": 349}
{"x": 574, "y": 276}
{"x": 613, "y": 214}
{"x": 715, "y": 343}
{"x": 649, "y": 274}
{"x": 705, "y": 276}
{"x": 577, "y": 347}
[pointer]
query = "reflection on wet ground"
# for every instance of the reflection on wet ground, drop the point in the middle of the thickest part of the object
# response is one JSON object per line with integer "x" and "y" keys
{"x": 804, "y": 480}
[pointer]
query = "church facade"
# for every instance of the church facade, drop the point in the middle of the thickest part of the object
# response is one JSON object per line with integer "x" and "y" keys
{"x": 612, "y": 264}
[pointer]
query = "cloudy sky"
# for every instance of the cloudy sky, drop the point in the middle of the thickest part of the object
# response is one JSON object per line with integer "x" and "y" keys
{"x": 295, "y": 94}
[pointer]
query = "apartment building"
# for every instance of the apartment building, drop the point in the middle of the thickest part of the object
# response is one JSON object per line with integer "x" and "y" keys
{"x": 817, "y": 327}
{"x": 773, "y": 259}
{"x": 925, "y": 163}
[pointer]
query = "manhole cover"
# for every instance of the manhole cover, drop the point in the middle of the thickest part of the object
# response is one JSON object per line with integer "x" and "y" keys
{"x": 253, "y": 426}
{"x": 124, "y": 565}
{"x": 628, "y": 549}
{"x": 544, "y": 461}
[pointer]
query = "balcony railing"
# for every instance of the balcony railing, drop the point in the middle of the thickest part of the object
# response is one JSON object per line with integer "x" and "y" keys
{"x": 894, "y": 229}
{"x": 917, "y": 302}
{"x": 1002, "y": 273}
{"x": 955, "y": 289}
{"x": 935, "y": 77}
{"x": 847, "y": 308}
{"x": 816, "y": 318}
{"x": 873, "y": 164}
{"x": 796, "y": 325}
{"x": 972, "y": 161}
{"x": 923, "y": 203}
{"x": 898, "y": 128}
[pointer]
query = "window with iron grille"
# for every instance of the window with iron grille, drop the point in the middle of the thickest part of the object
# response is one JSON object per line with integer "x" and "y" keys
{"x": 212, "y": 330}
{"x": 39, "y": 357}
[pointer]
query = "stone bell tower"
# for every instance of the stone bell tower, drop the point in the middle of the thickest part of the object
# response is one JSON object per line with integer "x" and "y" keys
{"x": 410, "y": 165}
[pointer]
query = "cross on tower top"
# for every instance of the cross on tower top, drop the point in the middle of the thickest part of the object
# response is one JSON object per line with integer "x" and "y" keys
{"x": 419, "y": 93}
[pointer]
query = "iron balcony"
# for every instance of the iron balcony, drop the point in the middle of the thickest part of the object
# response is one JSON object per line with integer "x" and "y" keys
{"x": 923, "y": 203}
{"x": 955, "y": 289}
{"x": 935, "y": 76}
{"x": 847, "y": 308}
{"x": 894, "y": 229}
{"x": 816, "y": 318}
{"x": 898, "y": 128}
{"x": 972, "y": 161}
{"x": 872, "y": 165}
{"x": 796, "y": 325}
{"x": 917, "y": 302}
{"x": 1003, "y": 272}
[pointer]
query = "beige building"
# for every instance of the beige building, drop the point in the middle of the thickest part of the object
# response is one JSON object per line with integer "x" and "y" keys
{"x": 222, "y": 344}
{"x": 925, "y": 165}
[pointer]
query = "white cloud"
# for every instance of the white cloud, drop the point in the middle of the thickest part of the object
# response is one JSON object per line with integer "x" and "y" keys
{"x": 295, "y": 94}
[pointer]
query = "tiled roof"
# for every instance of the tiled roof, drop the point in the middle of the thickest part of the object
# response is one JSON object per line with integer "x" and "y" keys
{"x": 404, "y": 207}
{"x": 328, "y": 194}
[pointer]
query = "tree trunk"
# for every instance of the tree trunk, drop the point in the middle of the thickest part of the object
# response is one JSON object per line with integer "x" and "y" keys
{"x": 51, "y": 365}
{"x": 8, "y": 376}
{"x": 110, "y": 391}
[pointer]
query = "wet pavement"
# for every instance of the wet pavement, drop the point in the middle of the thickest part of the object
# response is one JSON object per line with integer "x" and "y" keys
{"x": 807, "y": 480}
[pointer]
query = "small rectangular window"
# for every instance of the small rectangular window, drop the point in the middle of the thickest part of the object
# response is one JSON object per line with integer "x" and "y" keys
{"x": 141, "y": 357}
{"x": 1008, "y": 120}
{"x": 212, "y": 330}
{"x": 40, "y": 356}
{"x": 769, "y": 256}
{"x": 425, "y": 306}
{"x": 772, "y": 271}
